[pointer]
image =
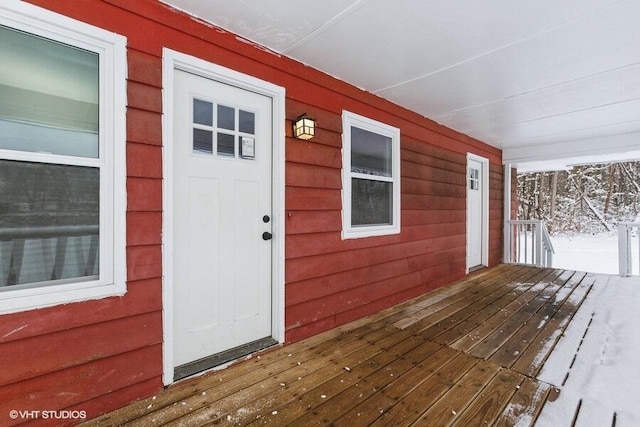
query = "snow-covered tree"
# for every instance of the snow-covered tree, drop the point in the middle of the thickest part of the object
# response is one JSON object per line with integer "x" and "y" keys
{"x": 585, "y": 199}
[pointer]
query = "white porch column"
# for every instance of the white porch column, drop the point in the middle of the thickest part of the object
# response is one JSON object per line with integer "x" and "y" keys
{"x": 624, "y": 250}
{"x": 506, "y": 256}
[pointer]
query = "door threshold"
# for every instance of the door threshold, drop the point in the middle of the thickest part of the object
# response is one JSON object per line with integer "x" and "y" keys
{"x": 476, "y": 268}
{"x": 221, "y": 358}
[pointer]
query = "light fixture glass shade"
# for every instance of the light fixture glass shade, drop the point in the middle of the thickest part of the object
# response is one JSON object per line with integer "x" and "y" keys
{"x": 304, "y": 127}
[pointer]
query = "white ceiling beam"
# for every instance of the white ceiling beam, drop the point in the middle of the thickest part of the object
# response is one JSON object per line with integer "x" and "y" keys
{"x": 325, "y": 26}
{"x": 561, "y": 155}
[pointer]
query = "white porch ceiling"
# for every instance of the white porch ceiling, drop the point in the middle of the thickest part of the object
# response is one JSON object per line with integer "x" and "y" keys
{"x": 554, "y": 82}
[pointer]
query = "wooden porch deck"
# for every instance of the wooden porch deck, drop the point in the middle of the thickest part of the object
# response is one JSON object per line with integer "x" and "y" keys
{"x": 465, "y": 355}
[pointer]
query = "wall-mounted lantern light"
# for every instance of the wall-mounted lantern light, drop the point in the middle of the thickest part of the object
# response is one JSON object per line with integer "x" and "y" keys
{"x": 304, "y": 127}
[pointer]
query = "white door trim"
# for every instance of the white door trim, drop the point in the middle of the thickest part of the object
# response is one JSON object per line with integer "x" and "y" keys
{"x": 485, "y": 209}
{"x": 173, "y": 60}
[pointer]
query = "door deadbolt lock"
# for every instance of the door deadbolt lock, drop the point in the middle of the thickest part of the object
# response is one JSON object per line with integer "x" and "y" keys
{"x": 266, "y": 219}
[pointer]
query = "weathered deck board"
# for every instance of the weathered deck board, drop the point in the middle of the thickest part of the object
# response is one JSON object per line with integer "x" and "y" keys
{"x": 525, "y": 405}
{"x": 466, "y": 354}
{"x": 508, "y": 353}
{"x": 486, "y": 408}
{"x": 393, "y": 382}
{"x": 533, "y": 358}
{"x": 444, "y": 308}
{"x": 478, "y": 310}
{"x": 478, "y": 316}
{"x": 493, "y": 322}
{"x": 344, "y": 389}
{"x": 412, "y": 404}
{"x": 494, "y": 341}
{"x": 459, "y": 396}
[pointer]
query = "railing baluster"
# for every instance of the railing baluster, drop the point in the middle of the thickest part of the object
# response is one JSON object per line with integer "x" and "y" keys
{"x": 638, "y": 257}
{"x": 526, "y": 244}
{"x": 19, "y": 239}
{"x": 530, "y": 236}
{"x": 534, "y": 248}
{"x": 538, "y": 236}
{"x": 15, "y": 265}
{"x": 518, "y": 230}
{"x": 514, "y": 251}
{"x": 93, "y": 255}
{"x": 623, "y": 254}
{"x": 61, "y": 252}
{"x": 626, "y": 261}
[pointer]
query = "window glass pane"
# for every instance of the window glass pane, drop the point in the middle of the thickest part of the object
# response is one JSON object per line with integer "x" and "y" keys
{"x": 474, "y": 179}
{"x": 226, "y": 144}
{"x": 49, "y": 94}
{"x": 226, "y": 117}
{"x": 371, "y": 202}
{"x": 370, "y": 153}
{"x": 202, "y": 112}
{"x": 202, "y": 141}
{"x": 247, "y": 122}
{"x": 49, "y": 223}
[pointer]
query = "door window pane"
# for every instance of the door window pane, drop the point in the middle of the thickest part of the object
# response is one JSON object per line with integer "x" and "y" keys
{"x": 49, "y": 94}
{"x": 49, "y": 223}
{"x": 370, "y": 153}
{"x": 234, "y": 130}
{"x": 202, "y": 141}
{"x": 371, "y": 202}
{"x": 202, "y": 112}
{"x": 247, "y": 122}
{"x": 226, "y": 117}
{"x": 474, "y": 179}
{"x": 226, "y": 144}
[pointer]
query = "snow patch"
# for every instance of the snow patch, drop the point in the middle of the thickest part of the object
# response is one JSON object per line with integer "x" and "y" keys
{"x": 604, "y": 374}
{"x": 596, "y": 253}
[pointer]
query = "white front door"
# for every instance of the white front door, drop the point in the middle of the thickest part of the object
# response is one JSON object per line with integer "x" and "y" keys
{"x": 222, "y": 191}
{"x": 475, "y": 213}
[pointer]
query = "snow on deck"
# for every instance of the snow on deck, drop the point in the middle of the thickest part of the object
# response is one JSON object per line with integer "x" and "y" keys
{"x": 596, "y": 363}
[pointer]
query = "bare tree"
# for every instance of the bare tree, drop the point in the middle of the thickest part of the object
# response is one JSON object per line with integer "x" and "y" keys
{"x": 588, "y": 198}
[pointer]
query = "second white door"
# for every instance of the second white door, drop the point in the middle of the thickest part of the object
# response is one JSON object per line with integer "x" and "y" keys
{"x": 475, "y": 213}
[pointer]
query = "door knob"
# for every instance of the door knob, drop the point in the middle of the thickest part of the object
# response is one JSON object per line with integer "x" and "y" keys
{"x": 266, "y": 236}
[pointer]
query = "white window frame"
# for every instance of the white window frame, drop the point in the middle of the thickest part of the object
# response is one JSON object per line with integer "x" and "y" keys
{"x": 349, "y": 231}
{"x": 111, "y": 49}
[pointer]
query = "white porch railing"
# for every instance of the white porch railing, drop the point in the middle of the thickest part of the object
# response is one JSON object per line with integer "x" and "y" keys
{"x": 628, "y": 232}
{"x": 530, "y": 243}
{"x": 41, "y": 254}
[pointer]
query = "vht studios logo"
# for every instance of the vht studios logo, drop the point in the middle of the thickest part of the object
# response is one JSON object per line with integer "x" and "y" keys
{"x": 47, "y": 415}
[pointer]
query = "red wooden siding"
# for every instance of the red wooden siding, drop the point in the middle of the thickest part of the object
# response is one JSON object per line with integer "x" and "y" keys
{"x": 331, "y": 281}
{"x": 99, "y": 355}
{"x": 496, "y": 213}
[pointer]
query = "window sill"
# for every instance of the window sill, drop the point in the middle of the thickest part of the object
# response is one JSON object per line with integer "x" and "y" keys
{"x": 13, "y": 301}
{"x": 363, "y": 232}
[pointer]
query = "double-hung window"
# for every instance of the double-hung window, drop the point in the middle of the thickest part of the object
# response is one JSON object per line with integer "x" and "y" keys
{"x": 370, "y": 177}
{"x": 62, "y": 124}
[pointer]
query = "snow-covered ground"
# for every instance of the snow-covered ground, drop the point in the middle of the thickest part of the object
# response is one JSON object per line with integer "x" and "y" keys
{"x": 596, "y": 253}
{"x": 605, "y": 375}
{"x": 603, "y": 336}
